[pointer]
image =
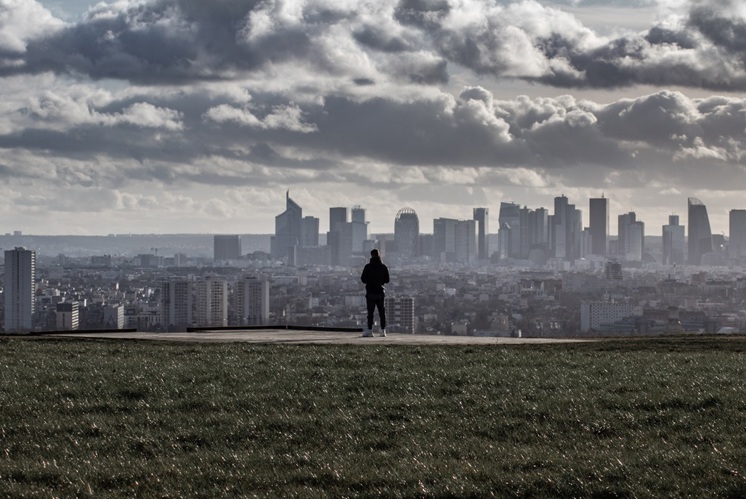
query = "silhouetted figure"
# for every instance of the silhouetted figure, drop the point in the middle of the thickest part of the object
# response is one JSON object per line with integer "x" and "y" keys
{"x": 375, "y": 276}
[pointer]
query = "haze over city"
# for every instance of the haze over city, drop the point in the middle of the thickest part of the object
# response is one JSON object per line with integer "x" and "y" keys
{"x": 170, "y": 116}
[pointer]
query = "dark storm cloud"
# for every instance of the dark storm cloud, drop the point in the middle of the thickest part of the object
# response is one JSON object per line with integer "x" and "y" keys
{"x": 182, "y": 41}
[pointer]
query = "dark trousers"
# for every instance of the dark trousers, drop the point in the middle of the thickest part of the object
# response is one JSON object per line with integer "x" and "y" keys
{"x": 374, "y": 300}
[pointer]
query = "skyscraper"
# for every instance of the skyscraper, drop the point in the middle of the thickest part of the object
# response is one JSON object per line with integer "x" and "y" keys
{"x": 309, "y": 232}
{"x": 631, "y": 237}
{"x": 482, "y": 217}
{"x": 599, "y": 226}
{"x": 359, "y": 229}
{"x": 567, "y": 229}
{"x": 700, "y": 235}
{"x": 335, "y": 238}
{"x": 226, "y": 247}
{"x": 287, "y": 230}
{"x": 407, "y": 232}
{"x": 252, "y": 301}
{"x": 20, "y": 303}
{"x": 509, "y": 233}
{"x": 673, "y": 242}
{"x": 737, "y": 233}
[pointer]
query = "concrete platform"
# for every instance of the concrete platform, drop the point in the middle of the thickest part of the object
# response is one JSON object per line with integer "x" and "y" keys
{"x": 290, "y": 337}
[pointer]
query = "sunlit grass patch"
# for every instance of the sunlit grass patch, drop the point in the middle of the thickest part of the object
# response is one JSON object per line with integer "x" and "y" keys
{"x": 617, "y": 419}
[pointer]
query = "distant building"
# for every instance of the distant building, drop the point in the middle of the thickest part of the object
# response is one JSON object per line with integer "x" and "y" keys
{"x": 20, "y": 276}
{"x": 594, "y": 314}
{"x": 482, "y": 218}
{"x": 176, "y": 303}
{"x": 631, "y": 241}
{"x": 226, "y": 247}
{"x": 454, "y": 240}
{"x": 309, "y": 232}
{"x": 700, "y": 235}
{"x": 674, "y": 242}
{"x": 599, "y": 226}
{"x": 567, "y": 227}
{"x": 68, "y": 316}
{"x": 400, "y": 316}
{"x": 252, "y": 301}
{"x": 407, "y": 232}
{"x": 509, "y": 231}
{"x": 113, "y": 316}
{"x": 737, "y": 234}
{"x": 339, "y": 237}
{"x": 287, "y": 230}
{"x": 212, "y": 302}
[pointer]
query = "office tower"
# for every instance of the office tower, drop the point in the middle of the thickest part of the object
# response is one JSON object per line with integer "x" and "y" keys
{"x": 599, "y": 226}
{"x": 635, "y": 241}
{"x": 700, "y": 236}
{"x": 737, "y": 234}
{"x": 509, "y": 221}
{"x": 176, "y": 303}
{"x": 673, "y": 242}
{"x": 309, "y": 232}
{"x": 212, "y": 302}
{"x": 337, "y": 216}
{"x": 287, "y": 230}
{"x": 407, "y": 232}
{"x": 482, "y": 218}
{"x": 252, "y": 301}
{"x": 400, "y": 316}
{"x": 359, "y": 227}
{"x": 465, "y": 241}
{"x": 20, "y": 303}
{"x": 67, "y": 316}
{"x": 226, "y": 248}
{"x": 631, "y": 237}
{"x": 566, "y": 230}
{"x": 444, "y": 243}
{"x": 539, "y": 228}
{"x": 334, "y": 238}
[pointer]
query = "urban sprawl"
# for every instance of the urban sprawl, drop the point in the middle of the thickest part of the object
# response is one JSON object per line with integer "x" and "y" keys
{"x": 541, "y": 274}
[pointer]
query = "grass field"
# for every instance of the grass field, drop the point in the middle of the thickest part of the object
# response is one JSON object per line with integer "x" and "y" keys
{"x": 634, "y": 418}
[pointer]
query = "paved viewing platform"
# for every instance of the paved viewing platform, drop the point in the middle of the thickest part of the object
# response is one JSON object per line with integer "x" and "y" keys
{"x": 300, "y": 337}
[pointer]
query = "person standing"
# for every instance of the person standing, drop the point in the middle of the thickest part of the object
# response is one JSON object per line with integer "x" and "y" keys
{"x": 375, "y": 276}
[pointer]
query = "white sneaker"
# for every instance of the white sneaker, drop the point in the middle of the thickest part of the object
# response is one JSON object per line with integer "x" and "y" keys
{"x": 367, "y": 333}
{"x": 383, "y": 332}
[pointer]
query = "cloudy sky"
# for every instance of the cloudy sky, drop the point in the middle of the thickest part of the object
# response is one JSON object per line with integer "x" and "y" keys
{"x": 165, "y": 116}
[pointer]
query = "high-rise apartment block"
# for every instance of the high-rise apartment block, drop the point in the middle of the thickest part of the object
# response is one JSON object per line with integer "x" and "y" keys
{"x": 674, "y": 242}
{"x": 226, "y": 247}
{"x": 177, "y": 298}
{"x": 20, "y": 302}
{"x": 599, "y": 226}
{"x": 400, "y": 316}
{"x": 737, "y": 233}
{"x": 212, "y": 302}
{"x": 700, "y": 235}
{"x": 252, "y": 301}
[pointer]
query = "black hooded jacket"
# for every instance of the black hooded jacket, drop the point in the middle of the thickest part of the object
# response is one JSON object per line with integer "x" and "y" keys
{"x": 375, "y": 275}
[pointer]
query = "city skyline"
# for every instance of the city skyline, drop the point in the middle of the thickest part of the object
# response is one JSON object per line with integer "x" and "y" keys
{"x": 166, "y": 116}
